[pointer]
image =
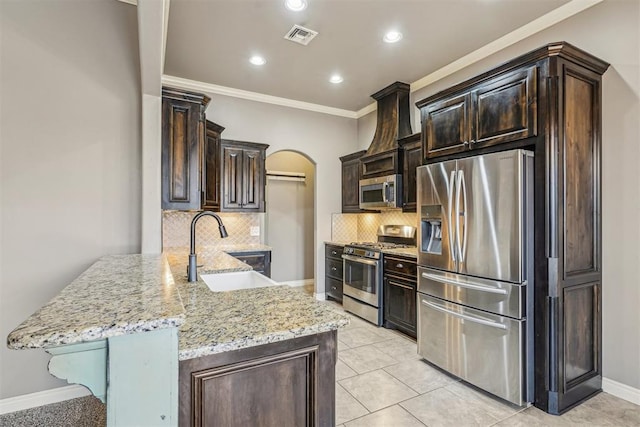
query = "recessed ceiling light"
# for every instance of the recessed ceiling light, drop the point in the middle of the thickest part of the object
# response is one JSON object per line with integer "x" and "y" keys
{"x": 257, "y": 60}
{"x": 296, "y": 5}
{"x": 336, "y": 78}
{"x": 392, "y": 37}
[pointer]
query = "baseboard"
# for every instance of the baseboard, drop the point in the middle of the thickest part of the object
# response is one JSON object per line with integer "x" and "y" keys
{"x": 620, "y": 390}
{"x": 296, "y": 283}
{"x": 40, "y": 398}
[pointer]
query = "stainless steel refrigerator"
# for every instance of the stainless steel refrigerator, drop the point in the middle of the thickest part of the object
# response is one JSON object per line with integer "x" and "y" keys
{"x": 475, "y": 275}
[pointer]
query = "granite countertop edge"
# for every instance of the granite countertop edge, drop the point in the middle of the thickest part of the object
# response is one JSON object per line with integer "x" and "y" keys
{"x": 147, "y": 301}
{"x": 173, "y": 302}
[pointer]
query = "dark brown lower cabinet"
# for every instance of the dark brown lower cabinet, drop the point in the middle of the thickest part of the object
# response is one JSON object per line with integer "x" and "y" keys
{"x": 286, "y": 383}
{"x": 260, "y": 261}
{"x": 333, "y": 271}
{"x": 399, "y": 292}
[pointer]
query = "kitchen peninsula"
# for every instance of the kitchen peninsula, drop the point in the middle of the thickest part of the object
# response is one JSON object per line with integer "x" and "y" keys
{"x": 138, "y": 335}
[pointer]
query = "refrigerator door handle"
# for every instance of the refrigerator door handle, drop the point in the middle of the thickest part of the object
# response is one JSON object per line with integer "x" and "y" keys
{"x": 468, "y": 285}
{"x": 457, "y": 215}
{"x": 465, "y": 316}
{"x": 462, "y": 188}
{"x": 452, "y": 238}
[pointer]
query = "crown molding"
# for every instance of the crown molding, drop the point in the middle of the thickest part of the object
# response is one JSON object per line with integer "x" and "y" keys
{"x": 254, "y": 96}
{"x": 545, "y": 21}
{"x": 559, "y": 14}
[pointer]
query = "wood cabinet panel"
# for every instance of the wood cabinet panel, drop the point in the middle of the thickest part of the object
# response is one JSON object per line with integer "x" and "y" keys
{"x": 211, "y": 167}
{"x": 243, "y": 176}
{"x": 381, "y": 164}
{"x": 332, "y": 251}
{"x": 580, "y": 193}
{"x": 400, "y": 304}
{"x": 252, "y": 180}
{"x": 334, "y": 268}
{"x": 400, "y": 294}
{"x": 412, "y": 159}
{"x": 351, "y": 174}
{"x": 182, "y": 146}
{"x": 446, "y": 126}
{"x": 334, "y": 288}
{"x": 505, "y": 109}
{"x": 287, "y": 383}
{"x": 232, "y": 177}
{"x": 581, "y": 331}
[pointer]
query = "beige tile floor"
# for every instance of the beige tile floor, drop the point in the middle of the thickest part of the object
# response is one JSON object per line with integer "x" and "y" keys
{"x": 381, "y": 381}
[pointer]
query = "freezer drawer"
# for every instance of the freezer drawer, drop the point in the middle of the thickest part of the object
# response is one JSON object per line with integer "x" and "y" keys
{"x": 483, "y": 349}
{"x": 498, "y": 297}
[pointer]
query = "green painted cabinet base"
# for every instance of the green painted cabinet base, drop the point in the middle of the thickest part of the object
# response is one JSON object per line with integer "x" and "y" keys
{"x": 136, "y": 375}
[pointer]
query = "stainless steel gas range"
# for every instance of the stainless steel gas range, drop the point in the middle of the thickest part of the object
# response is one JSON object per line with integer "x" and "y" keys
{"x": 362, "y": 287}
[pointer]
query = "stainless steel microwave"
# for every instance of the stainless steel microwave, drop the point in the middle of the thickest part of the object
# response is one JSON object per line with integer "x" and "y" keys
{"x": 384, "y": 192}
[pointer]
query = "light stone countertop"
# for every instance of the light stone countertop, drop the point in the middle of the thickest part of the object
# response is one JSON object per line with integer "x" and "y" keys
{"x": 117, "y": 295}
{"x": 223, "y": 321}
{"x": 408, "y": 252}
{"x": 133, "y": 293}
{"x": 336, "y": 243}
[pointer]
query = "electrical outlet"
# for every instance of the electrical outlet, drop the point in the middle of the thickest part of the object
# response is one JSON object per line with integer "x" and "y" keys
{"x": 254, "y": 231}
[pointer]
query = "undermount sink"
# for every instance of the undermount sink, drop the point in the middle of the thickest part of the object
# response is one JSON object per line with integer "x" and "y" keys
{"x": 222, "y": 282}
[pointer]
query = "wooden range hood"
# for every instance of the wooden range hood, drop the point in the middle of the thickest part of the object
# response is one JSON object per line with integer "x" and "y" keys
{"x": 394, "y": 122}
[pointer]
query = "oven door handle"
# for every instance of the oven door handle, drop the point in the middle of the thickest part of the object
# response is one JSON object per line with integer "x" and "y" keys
{"x": 468, "y": 285}
{"x": 359, "y": 260}
{"x": 465, "y": 316}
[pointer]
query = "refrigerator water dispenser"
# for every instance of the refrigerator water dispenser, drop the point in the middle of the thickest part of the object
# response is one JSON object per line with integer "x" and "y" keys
{"x": 431, "y": 229}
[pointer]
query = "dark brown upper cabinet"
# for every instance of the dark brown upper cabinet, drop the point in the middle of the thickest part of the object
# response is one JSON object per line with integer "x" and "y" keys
{"x": 351, "y": 174}
{"x": 243, "y": 176}
{"x": 182, "y": 142}
{"x": 381, "y": 164}
{"x": 411, "y": 152}
{"x": 446, "y": 125}
{"x": 211, "y": 167}
{"x": 505, "y": 108}
{"x": 549, "y": 101}
{"x": 498, "y": 110}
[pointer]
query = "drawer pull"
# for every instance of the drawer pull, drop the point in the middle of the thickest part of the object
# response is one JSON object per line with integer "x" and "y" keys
{"x": 334, "y": 253}
{"x": 401, "y": 285}
{"x": 333, "y": 288}
{"x": 468, "y": 285}
{"x": 465, "y": 317}
{"x": 399, "y": 265}
{"x": 333, "y": 269}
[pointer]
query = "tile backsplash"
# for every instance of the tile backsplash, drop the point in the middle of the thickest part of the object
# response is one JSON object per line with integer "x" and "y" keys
{"x": 176, "y": 229}
{"x": 364, "y": 227}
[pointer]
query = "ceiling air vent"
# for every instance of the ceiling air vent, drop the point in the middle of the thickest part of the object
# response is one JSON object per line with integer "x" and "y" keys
{"x": 300, "y": 35}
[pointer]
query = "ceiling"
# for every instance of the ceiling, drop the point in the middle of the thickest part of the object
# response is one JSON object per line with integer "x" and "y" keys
{"x": 211, "y": 41}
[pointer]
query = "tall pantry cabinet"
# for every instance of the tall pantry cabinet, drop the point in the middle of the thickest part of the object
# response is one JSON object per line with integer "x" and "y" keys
{"x": 548, "y": 101}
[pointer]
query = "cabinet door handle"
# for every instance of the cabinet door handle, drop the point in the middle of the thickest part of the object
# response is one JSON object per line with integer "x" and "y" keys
{"x": 391, "y": 282}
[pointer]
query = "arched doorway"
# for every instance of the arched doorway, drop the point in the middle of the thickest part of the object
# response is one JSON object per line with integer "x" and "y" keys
{"x": 290, "y": 217}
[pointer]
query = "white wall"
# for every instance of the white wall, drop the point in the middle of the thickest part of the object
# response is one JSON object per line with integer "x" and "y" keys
{"x": 70, "y": 157}
{"x": 322, "y": 137}
{"x": 610, "y": 31}
{"x": 290, "y": 218}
